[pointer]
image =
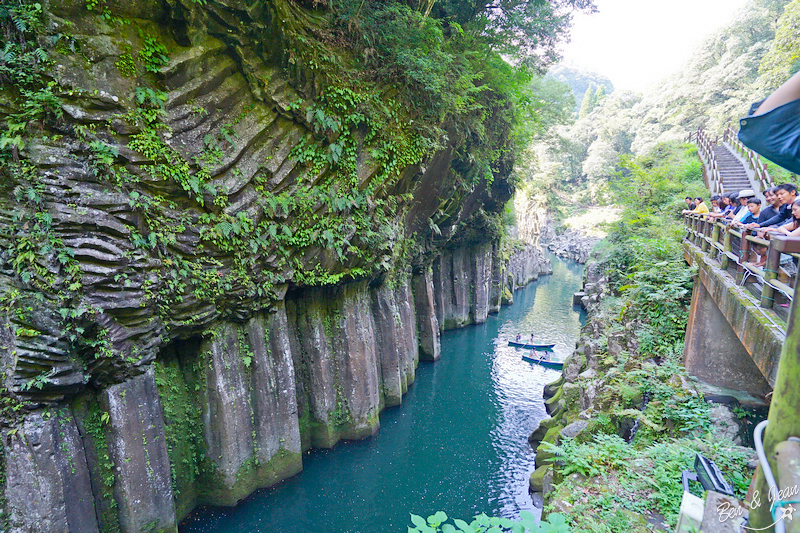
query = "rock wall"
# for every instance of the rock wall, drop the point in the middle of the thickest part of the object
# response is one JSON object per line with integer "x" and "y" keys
{"x": 573, "y": 245}
{"x": 188, "y": 303}
{"x": 219, "y": 414}
{"x": 472, "y": 282}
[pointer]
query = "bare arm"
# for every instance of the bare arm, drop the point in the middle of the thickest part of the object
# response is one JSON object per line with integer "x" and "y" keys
{"x": 784, "y": 94}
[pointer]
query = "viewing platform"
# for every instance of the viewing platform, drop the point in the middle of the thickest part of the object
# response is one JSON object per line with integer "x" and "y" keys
{"x": 738, "y": 318}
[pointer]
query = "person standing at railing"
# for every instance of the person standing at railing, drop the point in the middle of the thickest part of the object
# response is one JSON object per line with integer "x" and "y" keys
{"x": 729, "y": 206}
{"x": 771, "y": 209}
{"x": 753, "y": 211}
{"x": 791, "y": 228}
{"x": 715, "y": 200}
{"x": 700, "y": 207}
{"x": 787, "y": 193}
{"x": 772, "y": 127}
{"x": 743, "y": 211}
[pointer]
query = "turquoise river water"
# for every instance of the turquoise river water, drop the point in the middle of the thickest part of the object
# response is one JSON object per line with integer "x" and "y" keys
{"x": 458, "y": 443}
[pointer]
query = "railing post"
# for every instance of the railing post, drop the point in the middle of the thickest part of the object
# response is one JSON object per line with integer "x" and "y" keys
{"x": 704, "y": 243}
{"x": 744, "y": 255}
{"x": 770, "y": 273}
{"x": 714, "y": 238}
{"x": 726, "y": 247}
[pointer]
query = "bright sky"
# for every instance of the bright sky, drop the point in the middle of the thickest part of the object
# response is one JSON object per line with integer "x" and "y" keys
{"x": 636, "y": 43}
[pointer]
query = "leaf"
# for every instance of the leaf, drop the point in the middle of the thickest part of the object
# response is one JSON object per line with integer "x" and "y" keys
{"x": 418, "y": 521}
{"x": 463, "y": 526}
{"x": 556, "y": 519}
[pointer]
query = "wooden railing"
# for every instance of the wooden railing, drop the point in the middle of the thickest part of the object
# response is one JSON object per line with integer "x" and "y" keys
{"x": 705, "y": 148}
{"x": 752, "y": 158}
{"x": 734, "y": 248}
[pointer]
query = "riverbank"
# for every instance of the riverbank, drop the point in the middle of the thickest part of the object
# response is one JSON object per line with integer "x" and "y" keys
{"x": 625, "y": 419}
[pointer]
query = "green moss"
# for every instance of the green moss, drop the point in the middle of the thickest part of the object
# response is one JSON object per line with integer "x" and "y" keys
{"x": 183, "y": 430}
{"x": 253, "y": 475}
{"x": 95, "y": 421}
{"x": 126, "y": 65}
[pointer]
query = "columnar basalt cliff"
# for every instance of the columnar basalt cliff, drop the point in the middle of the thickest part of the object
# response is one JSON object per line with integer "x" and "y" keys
{"x": 203, "y": 273}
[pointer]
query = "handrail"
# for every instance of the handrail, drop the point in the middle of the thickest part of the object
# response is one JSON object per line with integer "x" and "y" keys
{"x": 705, "y": 149}
{"x": 716, "y": 237}
{"x": 753, "y": 159}
{"x": 711, "y": 173}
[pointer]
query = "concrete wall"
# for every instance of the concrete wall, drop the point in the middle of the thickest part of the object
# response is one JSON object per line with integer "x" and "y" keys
{"x": 730, "y": 341}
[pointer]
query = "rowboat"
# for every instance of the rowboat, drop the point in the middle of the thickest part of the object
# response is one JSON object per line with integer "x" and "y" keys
{"x": 531, "y": 346}
{"x": 554, "y": 365}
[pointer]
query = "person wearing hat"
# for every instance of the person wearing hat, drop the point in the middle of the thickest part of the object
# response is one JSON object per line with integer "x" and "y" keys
{"x": 744, "y": 196}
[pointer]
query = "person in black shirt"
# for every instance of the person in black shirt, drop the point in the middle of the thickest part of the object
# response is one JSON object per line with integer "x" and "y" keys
{"x": 771, "y": 209}
{"x": 787, "y": 194}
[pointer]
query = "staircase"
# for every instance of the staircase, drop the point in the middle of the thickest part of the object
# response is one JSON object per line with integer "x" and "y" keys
{"x": 731, "y": 170}
{"x": 723, "y": 170}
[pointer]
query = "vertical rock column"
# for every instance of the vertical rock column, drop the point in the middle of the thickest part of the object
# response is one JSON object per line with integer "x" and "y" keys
{"x": 427, "y": 321}
{"x": 143, "y": 488}
{"x": 409, "y": 352}
{"x": 442, "y": 280}
{"x": 250, "y": 424}
{"x": 458, "y": 314}
{"x": 227, "y": 414}
{"x": 396, "y": 337}
{"x": 497, "y": 283}
{"x": 47, "y": 479}
{"x": 480, "y": 258}
{"x": 278, "y": 451}
{"x": 453, "y": 291}
{"x": 336, "y": 363}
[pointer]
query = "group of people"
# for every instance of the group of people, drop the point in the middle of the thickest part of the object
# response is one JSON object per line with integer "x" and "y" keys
{"x": 743, "y": 209}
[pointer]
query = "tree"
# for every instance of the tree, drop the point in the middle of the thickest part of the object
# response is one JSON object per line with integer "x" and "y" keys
{"x": 529, "y": 30}
{"x": 589, "y": 101}
{"x": 783, "y": 58}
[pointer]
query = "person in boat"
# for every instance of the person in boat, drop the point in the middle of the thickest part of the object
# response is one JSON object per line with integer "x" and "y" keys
{"x": 531, "y": 338}
{"x": 541, "y": 356}
{"x": 519, "y": 337}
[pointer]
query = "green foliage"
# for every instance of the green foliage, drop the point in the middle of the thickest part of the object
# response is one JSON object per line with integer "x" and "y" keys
{"x": 783, "y": 58}
{"x": 126, "y": 65}
{"x": 153, "y": 54}
{"x": 22, "y": 60}
{"x": 579, "y": 81}
{"x": 528, "y": 30}
{"x": 589, "y": 101}
{"x": 555, "y": 523}
{"x": 637, "y": 481}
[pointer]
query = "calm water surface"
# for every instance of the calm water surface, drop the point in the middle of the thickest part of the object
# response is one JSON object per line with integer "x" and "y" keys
{"x": 458, "y": 443}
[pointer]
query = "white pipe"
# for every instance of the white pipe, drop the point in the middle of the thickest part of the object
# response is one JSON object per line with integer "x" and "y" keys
{"x": 780, "y": 527}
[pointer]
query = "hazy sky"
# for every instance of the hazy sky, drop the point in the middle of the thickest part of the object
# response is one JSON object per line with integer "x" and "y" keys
{"x": 638, "y": 42}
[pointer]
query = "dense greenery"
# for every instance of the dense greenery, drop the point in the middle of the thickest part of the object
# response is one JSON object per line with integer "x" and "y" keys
{"x": 739, "y": 64}
{"x": 613, "y": 484}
